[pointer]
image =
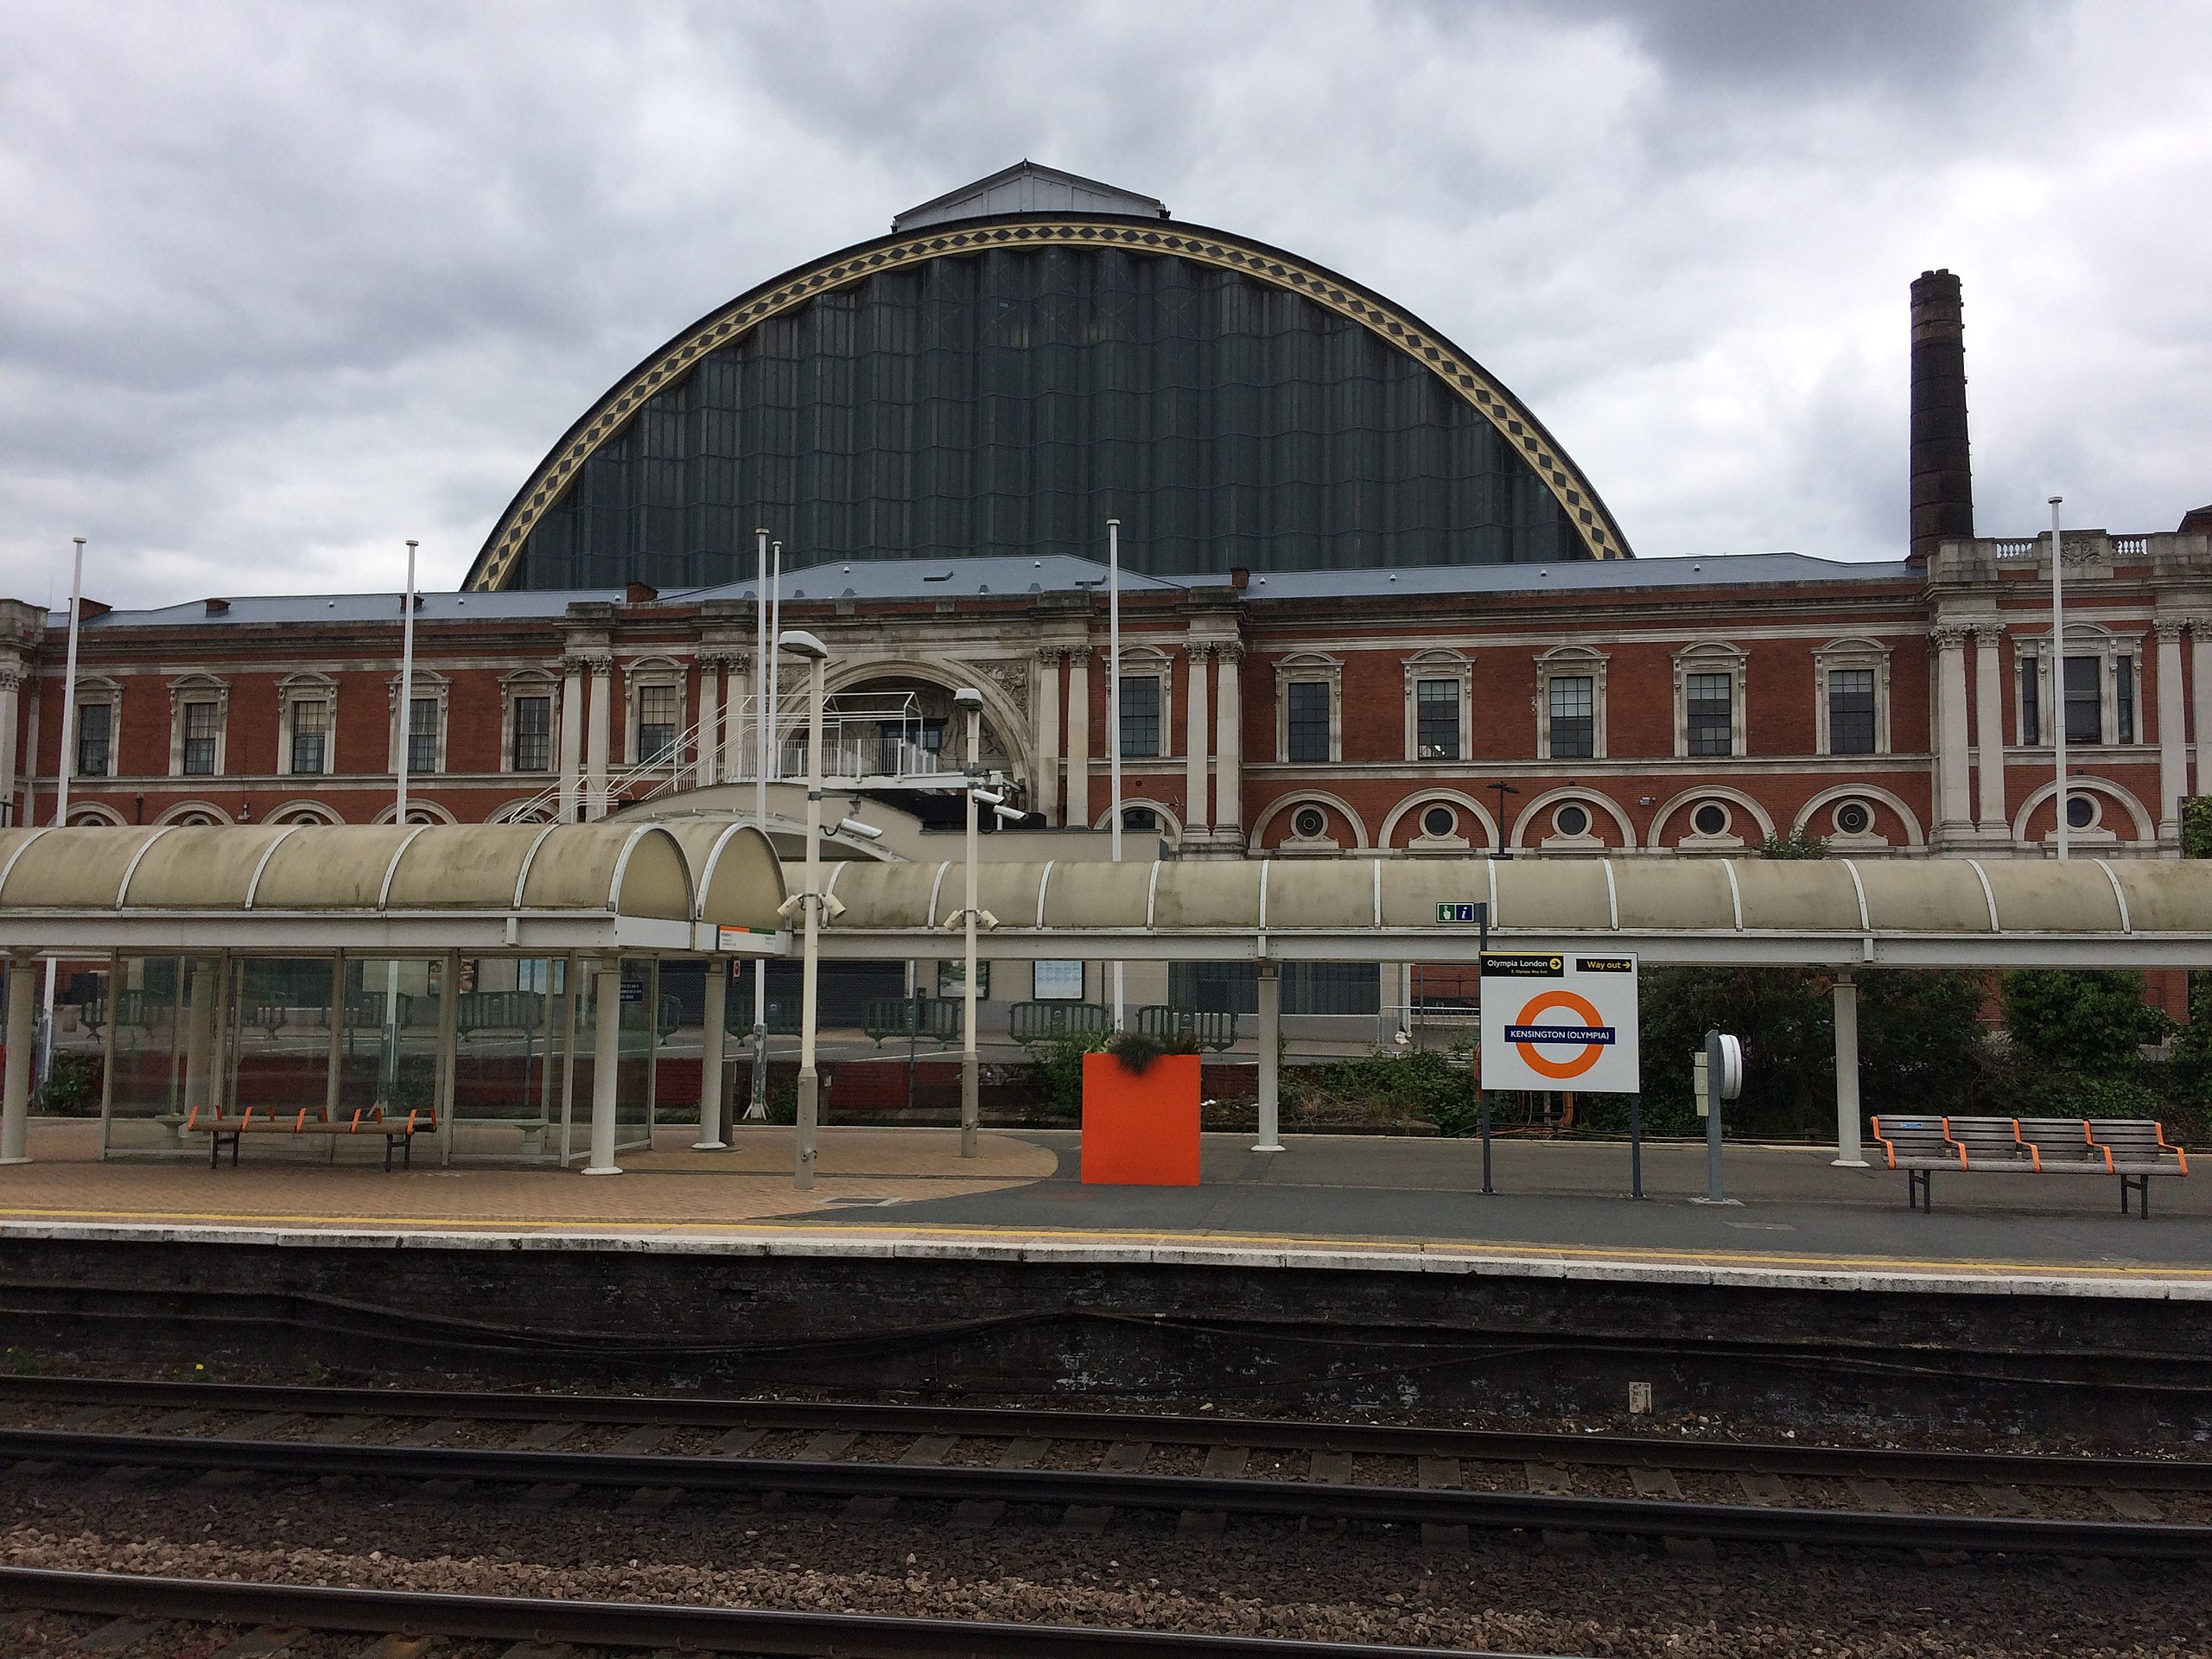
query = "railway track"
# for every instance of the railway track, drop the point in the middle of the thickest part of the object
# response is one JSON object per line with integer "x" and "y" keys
{"x": 277, "y": 1616}
{"x": 986, "y": 1463}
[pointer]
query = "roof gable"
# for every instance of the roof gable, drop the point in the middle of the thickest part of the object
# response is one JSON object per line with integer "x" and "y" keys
{"x": 1026, "y": 188}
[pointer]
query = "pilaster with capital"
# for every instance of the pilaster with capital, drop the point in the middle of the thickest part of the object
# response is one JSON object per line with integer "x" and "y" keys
{"x": 2200, "y": 669}
{"x": 1989, "y": 729}
{"x": 1229, "y": 740}
{"x": 2173, "y": 738}
{"x": 1044, "y": 795}
{"x": 1078, "y": 794}
{"x": 1195, "y": 719}
{"x": 1952, "y": 817}
{"x": 12, "y": 680}
{"x": 598, "y": 729}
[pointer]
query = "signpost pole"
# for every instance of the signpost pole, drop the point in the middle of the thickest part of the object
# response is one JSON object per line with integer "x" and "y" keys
{"x": 1636, "y": 1146}
{"x": 1482, "y": 1094}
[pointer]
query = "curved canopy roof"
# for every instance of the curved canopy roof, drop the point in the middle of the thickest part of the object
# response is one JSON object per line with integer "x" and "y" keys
{"x": 1936, "y": 912}
{"x": 314, "y": 886}
{"x": 818, "y": 327}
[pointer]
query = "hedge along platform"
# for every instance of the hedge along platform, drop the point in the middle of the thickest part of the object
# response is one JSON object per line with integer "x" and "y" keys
{"x": 1141, "y": 1129}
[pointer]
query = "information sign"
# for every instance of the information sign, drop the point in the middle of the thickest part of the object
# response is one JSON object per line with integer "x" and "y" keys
{"x": 634, "y": 991}
{"x": 1559, "y": 1019}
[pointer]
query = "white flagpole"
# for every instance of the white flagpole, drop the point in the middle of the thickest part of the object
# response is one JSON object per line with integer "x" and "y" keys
{"x": 68, "y": 765}
{"x": 756, "y": 1107}
{"x": 1114, "y": 714}
{"x": 406, "y": 722}
{"x": 2058, "y": 667}
{"x": 775, "y": 667}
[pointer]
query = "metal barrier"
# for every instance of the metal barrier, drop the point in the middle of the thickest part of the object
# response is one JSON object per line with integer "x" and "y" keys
{"x": 1205, "y": 1026}
{"x": 936, "y": 1018}
{"x": 1040, "y": 1022}
{"x": 783, "y": 1015}
{"x": 478, "y": 1011}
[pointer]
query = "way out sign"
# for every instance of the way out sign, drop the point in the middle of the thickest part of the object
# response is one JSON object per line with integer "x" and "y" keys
{"x": 1560, "y": 1021}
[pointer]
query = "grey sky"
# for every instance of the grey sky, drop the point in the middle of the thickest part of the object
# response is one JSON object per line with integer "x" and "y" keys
{"x": 281, "y": 286}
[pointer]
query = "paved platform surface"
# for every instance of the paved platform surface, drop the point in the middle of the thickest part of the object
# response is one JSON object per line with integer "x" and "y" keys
{"x": 1331, "y": 1200}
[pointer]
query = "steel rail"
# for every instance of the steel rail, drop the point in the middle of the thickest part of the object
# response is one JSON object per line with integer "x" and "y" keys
{"x": 637, "y": 1624}
{"x": 1239, "y": 1495}
{"x": 1491, "y": 1446}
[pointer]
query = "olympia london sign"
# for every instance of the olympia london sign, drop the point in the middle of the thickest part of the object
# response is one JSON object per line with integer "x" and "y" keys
{"x": 1553, "y": 1020}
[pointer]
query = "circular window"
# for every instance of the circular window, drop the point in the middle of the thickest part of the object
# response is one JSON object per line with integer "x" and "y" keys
{"x": 1710, "y": 819}
{"x": 2080, "y": 811}
{"x": 1572, "y": 821}
{"x": 1438, "y": 821}
{"x": 1310, "y": 822}
{"x": 1853, "y": 818}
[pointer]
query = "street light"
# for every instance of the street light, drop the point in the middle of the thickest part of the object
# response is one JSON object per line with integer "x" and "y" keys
{"x": 802, "y": 644}
{"x": 1504, "y": 790}
{"x": 969, "y": 701}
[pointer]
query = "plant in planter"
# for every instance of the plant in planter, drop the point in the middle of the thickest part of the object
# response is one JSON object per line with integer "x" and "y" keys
{"x": 1140, "y": 1112}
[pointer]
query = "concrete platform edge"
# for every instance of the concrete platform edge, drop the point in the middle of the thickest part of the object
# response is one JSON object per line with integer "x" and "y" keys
{"x": 1992, "y": 1278}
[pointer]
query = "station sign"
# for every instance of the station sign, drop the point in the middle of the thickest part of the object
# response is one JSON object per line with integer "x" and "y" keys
{"x": 1559, "y": 1019}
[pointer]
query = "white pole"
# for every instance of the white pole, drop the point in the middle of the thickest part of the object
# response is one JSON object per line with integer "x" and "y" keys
{"x": 2058, "y": 667}
{"x": 757, "y": 1108}
{"x": 775, "y": 665}
{"x": 810, "y": 1007}
{"x": 1114, "y": 714}
{"x": 68, "y": 765}
{"x": 970, "y": 1063}
{"x": 406, "y": 711}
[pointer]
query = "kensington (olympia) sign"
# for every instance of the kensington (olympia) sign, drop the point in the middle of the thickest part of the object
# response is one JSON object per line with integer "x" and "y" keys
{"x": 1559, "y": 1020}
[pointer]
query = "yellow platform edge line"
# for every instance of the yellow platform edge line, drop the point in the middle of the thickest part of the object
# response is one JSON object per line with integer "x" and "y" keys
{"x": 1473, "y": 1249}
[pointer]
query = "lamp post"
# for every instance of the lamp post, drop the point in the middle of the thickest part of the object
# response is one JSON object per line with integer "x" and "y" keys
{"x": 62, "y": 780}
{"x": 1114, "y": 712}
{"x": 2058, "y": 667}
{"x": 1504, "y": 790}
{"x": 757, "y": 1106}
{"x": 970, "y": 702}
{"x": 804, "y": 644}
{"x": 388, "y": 1070}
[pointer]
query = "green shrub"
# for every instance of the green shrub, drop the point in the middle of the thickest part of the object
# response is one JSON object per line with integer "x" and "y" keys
{"x": 1059, "y": 1066}
{"x": 73, "y": 1088}
{"x": 2088, "y": 1019}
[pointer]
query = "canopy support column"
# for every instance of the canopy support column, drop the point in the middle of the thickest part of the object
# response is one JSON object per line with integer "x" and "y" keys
{"x": 1848, "y": 1153}
{"x": 107, "y": 1050}
{"x": 15, "y": 1105}
{"x": 1270, "y": 1049}
{"x": 606, "y": 1062}
{"x": 711, "y": 1058}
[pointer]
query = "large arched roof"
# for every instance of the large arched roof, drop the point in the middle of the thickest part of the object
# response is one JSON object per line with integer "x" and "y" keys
{"x": 497, "y": 562}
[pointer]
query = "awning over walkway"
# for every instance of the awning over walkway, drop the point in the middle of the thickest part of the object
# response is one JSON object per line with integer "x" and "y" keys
{"x": 1928, "y": 912}
{"x": 283, "y": 887}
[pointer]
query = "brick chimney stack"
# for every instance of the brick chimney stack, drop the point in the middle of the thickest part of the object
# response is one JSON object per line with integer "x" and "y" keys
{"x": 1942, "y": 471}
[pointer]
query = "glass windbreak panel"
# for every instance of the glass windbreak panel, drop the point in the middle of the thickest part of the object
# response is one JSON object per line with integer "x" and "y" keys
{"x": 2085, "y": 712}
{"x": 1851, "y": 710}
{"x": 1140, "y": 715}
{"x": 1308, "y": 718}
{"x": 162, "y": 1011}
{"x": 1573, "y": 716}
{"x": 311, "y": 732}
{"x": 646, "y": 1022}
{"x": 533, "y": 734}
{"x": 1436, "y": 708}
{"x": 1710, "y": 713}
{"x": 1214, "y": 986}
{"x": 423, "y": 734}
{"x": 508, "y": 1030}
{"x": 389, "y": 1039}
{"x": 656, "y": 721}
{"x": 1007, "y": 402}
{"x": 200, "y": 731}
{"x": 1332, "y": 987}
{"x": 95, "y": 732}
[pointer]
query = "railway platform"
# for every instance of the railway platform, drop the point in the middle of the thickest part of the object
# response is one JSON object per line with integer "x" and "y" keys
{"x": 1559, "y": 1209}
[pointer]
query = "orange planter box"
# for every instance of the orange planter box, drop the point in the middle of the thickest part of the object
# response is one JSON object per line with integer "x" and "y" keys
{"x": 1140, "y": 1131}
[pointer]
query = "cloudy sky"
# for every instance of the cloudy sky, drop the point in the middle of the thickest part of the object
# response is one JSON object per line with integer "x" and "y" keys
{"x": 282, "y": 286}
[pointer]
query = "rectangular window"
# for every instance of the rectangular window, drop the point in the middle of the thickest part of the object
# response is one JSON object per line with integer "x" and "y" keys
{"x": 1573, "y": 717}
{"x": 2124, "y": 697}
{"x": 422, "y": 734}
{"x": 1711, "y": 714}
{"x": 656, "y": 722}
{"x": 1850, "y": 711}
{"x": 1058, "y": 981}
{"x": 310, "y": 735}
{"x": 1308, "y": 718}
{"x": 1436, "y": 720}
{"x": 1140, "y": 715}
{"x": 95, "y": 731}
{"x": 533, "y": 734}
{"x": 200, "y": 733}
{"x": 2030, "y": 703}
{"x": 2085, "y": 712}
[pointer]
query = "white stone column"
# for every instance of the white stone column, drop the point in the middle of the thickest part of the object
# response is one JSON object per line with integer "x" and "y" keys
{"x": 708, "y": 749}
{"x": 601, "y": 720}
{"x": 1195, "y": 722}
{"x": 1989, "y": 732}
{"x": 572, "y": 737}
{"x": 1270, "y": 1071}
{"x": 1047, "y": 794}
{"x": 711, "y": 1039}
{"x": 1228, "y": 742}
{"x": 12, "y": 680}
{"x": 15, "y": 1099}
{"x": 2173, "y": 737}
{"x": 738, "y": 743}
{"x": 1848, "y": 1154}
{"x": 606, "y": 1062}
{"x": 1951, "y": 812}
{"x": 2199, "y": 649}
{"x": 1078, "y": 796}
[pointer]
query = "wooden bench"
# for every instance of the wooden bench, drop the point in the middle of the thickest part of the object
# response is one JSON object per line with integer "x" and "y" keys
{"x": 309, "y": 1120}
{"x": 2134, "y": 1149}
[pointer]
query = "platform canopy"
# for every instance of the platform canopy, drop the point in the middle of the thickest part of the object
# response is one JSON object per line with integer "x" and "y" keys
{"x": 1840, "y": 911}
{"x": 532, "y": 888}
